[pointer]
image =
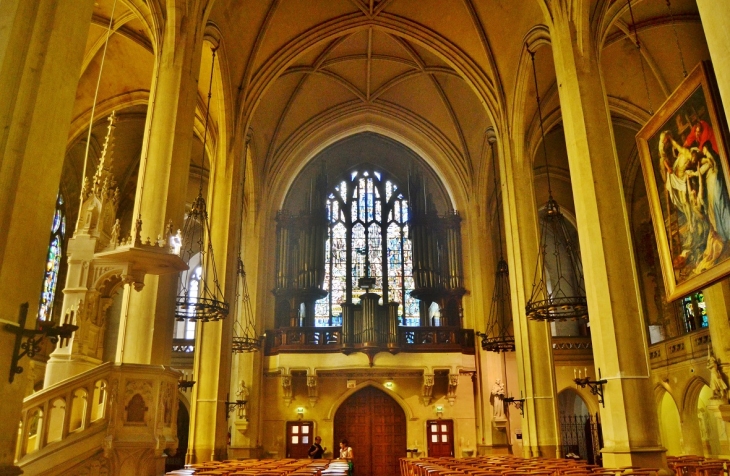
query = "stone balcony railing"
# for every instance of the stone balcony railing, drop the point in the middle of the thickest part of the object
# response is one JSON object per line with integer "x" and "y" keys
{"x": 112, "y": 410}
{"x": 409, "y": 339}
{"x": 695, "y": 345}
{"x": 572, "y": 348}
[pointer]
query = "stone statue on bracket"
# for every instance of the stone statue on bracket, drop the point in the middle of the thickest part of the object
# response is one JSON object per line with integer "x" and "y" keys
{"x": 242, "y": 392}
{"x": 717, "y": 379}
{"x": 498, "y": 399}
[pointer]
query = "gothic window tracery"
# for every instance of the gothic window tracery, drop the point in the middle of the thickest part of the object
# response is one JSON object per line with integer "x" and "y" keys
{"x": 53, "y": 260}
{"x": 367, "y": 217}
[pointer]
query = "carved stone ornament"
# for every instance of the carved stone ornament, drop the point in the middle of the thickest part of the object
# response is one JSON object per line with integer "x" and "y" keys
{"x": 312, "y": 390}
{"x": 98, "y": 466}
{"x": 287, "y": 388}
{"x": 138, "y": 399}
{"x": 427, "y": 389}
{"x": 453, "y": 384}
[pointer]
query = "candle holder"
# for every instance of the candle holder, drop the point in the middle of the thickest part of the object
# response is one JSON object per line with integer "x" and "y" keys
{"x": 596, "y": 386}
{"x": 239, "y": 405}
{"x": 184, "y": 384}
{"x": 517, "y": 402}
{"x": 33, "y": 338}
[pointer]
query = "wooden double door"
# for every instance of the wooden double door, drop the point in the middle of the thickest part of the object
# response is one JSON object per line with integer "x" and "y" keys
{"x": 375, "y": 426}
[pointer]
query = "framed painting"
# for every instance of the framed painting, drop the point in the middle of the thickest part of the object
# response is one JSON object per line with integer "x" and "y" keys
{"x": 685, "y": 163}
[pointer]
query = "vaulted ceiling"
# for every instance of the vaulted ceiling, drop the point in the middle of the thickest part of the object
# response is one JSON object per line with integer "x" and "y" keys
{"x": 431, "y": 74}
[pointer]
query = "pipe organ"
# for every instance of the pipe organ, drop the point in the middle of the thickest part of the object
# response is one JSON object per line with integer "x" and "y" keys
{"x": 372, "y": 323}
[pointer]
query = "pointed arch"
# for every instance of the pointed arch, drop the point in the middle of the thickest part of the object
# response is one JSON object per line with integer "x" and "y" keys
{"x": 370, "y": 383}
{"x": 691, "y": 395}
{"x": 584, "y": 394}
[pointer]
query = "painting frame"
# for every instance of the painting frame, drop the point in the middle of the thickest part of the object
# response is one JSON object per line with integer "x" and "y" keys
{"x": 692, "y": 231}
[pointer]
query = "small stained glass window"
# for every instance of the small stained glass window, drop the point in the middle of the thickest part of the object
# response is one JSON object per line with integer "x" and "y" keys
{"x": 53, "y": 261}
{"x": 695, "y": 312}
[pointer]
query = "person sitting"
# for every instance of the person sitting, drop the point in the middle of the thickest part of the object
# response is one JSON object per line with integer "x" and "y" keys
{"x": 316, "y": 451}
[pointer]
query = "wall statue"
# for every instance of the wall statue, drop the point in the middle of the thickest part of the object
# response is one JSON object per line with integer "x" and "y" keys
{"x": 498, "y": 399}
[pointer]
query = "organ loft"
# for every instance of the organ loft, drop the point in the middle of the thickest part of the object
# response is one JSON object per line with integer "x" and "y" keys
{"x": 436, "y": 229}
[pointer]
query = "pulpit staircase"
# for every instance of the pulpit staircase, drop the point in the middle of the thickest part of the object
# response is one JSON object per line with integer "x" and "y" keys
{"x": 115, "y": 419}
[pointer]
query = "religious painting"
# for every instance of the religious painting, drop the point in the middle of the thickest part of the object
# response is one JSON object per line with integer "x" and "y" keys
{"x": 685, "y": 163}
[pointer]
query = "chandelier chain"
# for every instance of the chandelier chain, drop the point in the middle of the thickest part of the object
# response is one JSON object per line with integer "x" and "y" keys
{"x": 245, "y": 338}
{"x": 676, "y": 38}
{"x": 93, "y": 104}
{"x": 641, "y": 57}
{"x": 542, "y": 127}
{"x": 207, "y": 115}
{"x": 499, "y": 202}
{"x": 199, "y": 299}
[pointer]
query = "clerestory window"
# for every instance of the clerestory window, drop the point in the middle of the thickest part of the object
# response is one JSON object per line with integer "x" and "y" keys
{"x": 367, "y": 237}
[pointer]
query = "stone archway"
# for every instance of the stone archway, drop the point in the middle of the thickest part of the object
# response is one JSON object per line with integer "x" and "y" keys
{"x": 177, "y": 461}
{"x": 375, "y": 426}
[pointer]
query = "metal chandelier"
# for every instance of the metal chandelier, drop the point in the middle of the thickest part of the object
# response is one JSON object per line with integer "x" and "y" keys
{"x": 200, "y": 297}
{"x": 558, "y": 288}
{"x": 499, "y": 335}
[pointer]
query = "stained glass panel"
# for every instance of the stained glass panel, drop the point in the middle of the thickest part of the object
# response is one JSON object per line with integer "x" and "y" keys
{"x": 53, "y": 264}
{"x": 395, "y": 268}
{"x": 53, "y": 261}
{"x": 370, "y": 199}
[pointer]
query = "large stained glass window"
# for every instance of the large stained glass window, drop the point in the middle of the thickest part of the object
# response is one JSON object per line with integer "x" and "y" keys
{"x": 53, "y": 261}
{"x": 368, "y": 237}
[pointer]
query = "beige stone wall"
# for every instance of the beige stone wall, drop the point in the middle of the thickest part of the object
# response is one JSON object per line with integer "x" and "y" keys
{"x": 405, "y": 371}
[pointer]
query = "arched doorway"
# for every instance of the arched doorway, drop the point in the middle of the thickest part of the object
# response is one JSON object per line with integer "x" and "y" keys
{"x": 177, "y": 461}
{"x": 375, "y": 426}
{"x": 580, "y": 432}
{"x": 670, "y": 425}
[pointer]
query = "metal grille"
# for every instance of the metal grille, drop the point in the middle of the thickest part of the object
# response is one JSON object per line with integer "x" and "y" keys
{"x": 581, "y": 435}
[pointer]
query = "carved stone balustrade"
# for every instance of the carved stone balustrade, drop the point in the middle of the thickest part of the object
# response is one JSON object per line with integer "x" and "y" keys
{"x": 122, "y": 417}
{"x": 695, "y": 345}
{"x": 572, "y": 349}
{"x": 329, "y": 339}
{"x": 303, "y": 339}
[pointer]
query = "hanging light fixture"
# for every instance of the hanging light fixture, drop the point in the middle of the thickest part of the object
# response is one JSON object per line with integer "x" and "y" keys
{"x": 200, "y": 296}
{"x": 559, "y": 293}
{"x": 245, "y": 338}
{"x": 499, "y": 336}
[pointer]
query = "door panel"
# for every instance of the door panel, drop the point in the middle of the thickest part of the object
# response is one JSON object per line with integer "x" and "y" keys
{"x": 440, "y": 434}
{"x": 375, "y": 426}
{"x": 299, "y": 437}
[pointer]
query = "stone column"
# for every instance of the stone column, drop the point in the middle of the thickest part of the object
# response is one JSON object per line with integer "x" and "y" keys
{"x": 715, "y": 18}
{"x": 212, "y": 366}
{"x": 630, "y": 424}
{"x": 145, "y": 332}
{"x": 535, "y": 369}
{"x": 717, "y": 298}
{"x": 41, "y": 49}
